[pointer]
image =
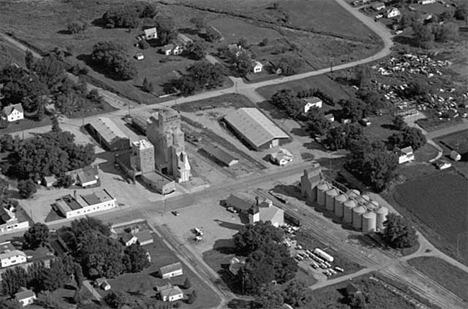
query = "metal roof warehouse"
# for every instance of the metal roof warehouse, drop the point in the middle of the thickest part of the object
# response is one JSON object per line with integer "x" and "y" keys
{"x": 108, "y": 134}
{"x": 220, "y": 155}
{"x": 255, "y": 128}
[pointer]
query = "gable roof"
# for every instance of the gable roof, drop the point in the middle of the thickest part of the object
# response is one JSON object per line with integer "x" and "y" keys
{"x": 13, "y": 253}
{"x": 240, "y": 201}
{"x": 183, "y": 38}
{"x": 127, "y": 237}
{"x": 171, "y": 268}
{"x": 220, "y": 154}
{"x": 107, "y": 129}
{"x": 169, "y": 46}
{"x": 254, "y": 126}
{"x": 24, "y": 294}
{"x": 88, "y": 173}
{"x": 312, "y": 100}
{"x": 150, "y": 31}
{"x": 7, "y": 110}
{"x": 270, "y": 213}
{"x": 171, "y": 291}
{"x": 143, "y": 236}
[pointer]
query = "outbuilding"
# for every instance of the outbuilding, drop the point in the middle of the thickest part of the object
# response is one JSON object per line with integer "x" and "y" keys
{"x": 172, "y": 270}
{"x": 257, "y": 130}
{"x": 220, "y": 155}
{"x": 106, "y": 132}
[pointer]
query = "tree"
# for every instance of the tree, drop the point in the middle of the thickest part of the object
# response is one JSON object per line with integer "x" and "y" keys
{"x": 287, "y": 100}
{"x": 29, "y": 60}
{"x": 201, "y": 74}
{"x": 143, "y": 44}
{"x": 36, "y": 236}
{"x": 353, "y": 109}
{"x": 187, "y": 284}
{"x": 461, "y": 13}
{"x": 269, "y": 296}
{"x": 55, "y": 124}
{"x": 357, "y": 301}
{"x": 47, "y": 300}
{"x": 116, "y": 299}
{"x": 254, "y": 236}
{"x": 128, "y": 16}
{"x": 9, "y": 304}
{"x": 445, "y": 32}
{"x": 399, "y": 122}
{"x": 78, "y": 275}
{"x": 317, "y": 124}
{"x": 398, "y": 232}
{"x": 192, "y": 297}
{"x": 197, "y": 49}
{"x": 344, "y": 136}
{"x": 423, "y": 36}
{"x": 297, "y": 293}
{"x": 363, "y": 74}
{"x": 147, "y": 86}
{"x": 409, "y": 136}
{"x": 290, "y": 64}
{"x": 54, "y": 277}
{"x": 243, "y": 64}
{"x": 264, "y": 42}
{"x": 199, "y": 22}
{"x": 27, "y": 188}
{"x": 166, "y": 28}
{"x": 447, "y": 15}
{"x": 135, "y": 259}
{"x": 75, "y": 27}
{"x": 13, "y": 279}
{"x": 243, "y": 43}
{"x": 82, "y": 225}
{"x": 111, "y": 55}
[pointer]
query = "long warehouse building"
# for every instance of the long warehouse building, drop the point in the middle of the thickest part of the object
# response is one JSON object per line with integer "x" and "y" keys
{"x": 255, "y": 128}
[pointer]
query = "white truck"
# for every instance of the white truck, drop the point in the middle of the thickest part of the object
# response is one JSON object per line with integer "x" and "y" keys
{"x": 327, "y": 257}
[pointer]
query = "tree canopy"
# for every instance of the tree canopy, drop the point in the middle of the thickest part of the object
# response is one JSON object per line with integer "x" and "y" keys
{"x": 135, "y": 259}
{"x": 36, "y": 236}
{"x": 255, "y": 236}
{"x": 112, "y": 56}
{"x": 398, "y": 232}
{"x": 343, "y": 136}
{"x": 128, "y": 16}
{"x": 408, "y": 136}
{"x": 287, "y": 100}
{"x": 166, "y": 28}
{"x": 317, "y": 124}
{"x": 201, "y": 75}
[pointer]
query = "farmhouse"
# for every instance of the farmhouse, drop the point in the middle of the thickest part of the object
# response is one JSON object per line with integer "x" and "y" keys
{"x": 219, "y": 155}
{"x": 404, "y": 154}
{"x": 9, "y": 220}
{"x": 108, "y": 134}
{"x": 393, "y": 12}
{"x": 311, "y": 102}
{"x": 78, "y": 205}
{"x": 86, "y": 176}
{"x": 9, "y": 256}
{"x": 257, "y": 66}
{"x": 241, "y": 202}
{"x": 170, "y": 293}
{"x": 13, "y": 112}
{"x": 378, "y": 6}
{"x": 150, "y": 33}
{"x": 128, "y": 239}
{"x": 235, "y": 265}
{"x": 49, "y": 181}
{"x": 25, "y": 297}
{"x": 275, "y": 67}
{"x": 172, "y": 270}
{"x": 255, "y": 128}
{"x": 144, "y": 238}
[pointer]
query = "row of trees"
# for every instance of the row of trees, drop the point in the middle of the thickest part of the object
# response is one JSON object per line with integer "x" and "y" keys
{"x": 129, "y": 15}
{"x": 426, "y": 35}
{"x": 200, "y": 75}
{"x": 113, "y": 57}
{"x": 267, "y": 259}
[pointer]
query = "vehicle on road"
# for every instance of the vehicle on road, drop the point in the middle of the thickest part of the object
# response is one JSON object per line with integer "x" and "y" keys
{"x": 197, "y": 231}
{"x": 175, "y": 213}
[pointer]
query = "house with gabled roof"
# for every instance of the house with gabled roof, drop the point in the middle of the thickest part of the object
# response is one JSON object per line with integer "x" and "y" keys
{"x": 13, "y": 112}
{"x": 241, "y": 202}
{"x": 86, "y": 176}
{"x": 172, "y": 270}
{"x": 404, "y": 154}
{"x": 150, "y": 33}
{"x": 10, "y": 256}
{"x": 25, "y": 297}
{"x": 257, "y": 66}
{"x": 170, "y": 293}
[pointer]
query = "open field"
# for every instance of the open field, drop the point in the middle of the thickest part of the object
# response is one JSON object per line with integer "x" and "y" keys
{"x": 449, "y": 276}
{"x": 437, "y": 203}
{"x": 143, "y": 283}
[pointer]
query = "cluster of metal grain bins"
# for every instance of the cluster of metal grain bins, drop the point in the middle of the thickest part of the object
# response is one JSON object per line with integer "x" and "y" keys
{"x": 352, "y": 207}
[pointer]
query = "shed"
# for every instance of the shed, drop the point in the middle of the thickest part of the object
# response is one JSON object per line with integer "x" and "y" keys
{"x": 241, "y": 202}
{"x": 49, "y": 181}
{"x": 255, "y": 128}
{"x": 219, "y": 155}
{"x": 172, "y": 270}
{"x": 144, "y": 238}
{"x": 171, "y": 293}
{"x": 102, "y": 283}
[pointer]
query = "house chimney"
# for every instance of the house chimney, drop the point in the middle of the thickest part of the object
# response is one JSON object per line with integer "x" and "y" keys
{"x": 74, "y": 194}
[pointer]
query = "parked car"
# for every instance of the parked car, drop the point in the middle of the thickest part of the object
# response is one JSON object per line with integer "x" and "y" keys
{"x": 197, "y": 231}
{"x": 175, "y": 213}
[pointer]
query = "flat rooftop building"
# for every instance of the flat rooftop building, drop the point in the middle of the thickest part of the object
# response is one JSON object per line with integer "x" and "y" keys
{"x": 72, "y": 206}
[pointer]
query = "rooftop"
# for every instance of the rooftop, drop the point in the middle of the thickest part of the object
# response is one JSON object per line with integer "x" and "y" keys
{"x": 107, "y": 129}
{"x": 157, "y": 177}
{"x": 142, "y": 144}
{"x": 6, "y": 247}
{"x": 171, "y": 291}
{"x": 24, "y": 294}
{"x": 170, "y": 268}
{"x": 8, "y": 109}
{"x": 254, "y": 126}
{"x": 97, "y": 197}
{"x": 220, "y": 154}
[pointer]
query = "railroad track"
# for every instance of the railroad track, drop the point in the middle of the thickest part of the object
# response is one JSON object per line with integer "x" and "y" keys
{"x": 402, "y": 293}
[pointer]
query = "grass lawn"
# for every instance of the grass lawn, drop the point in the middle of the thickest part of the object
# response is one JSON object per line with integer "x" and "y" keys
{"x": 380, "y": 129}
{"x": 437, "y": 204}
{"x": 426, "y": 153}
{"x": 226, "y": 100}
{"x": 16, "y": 56}
{"x": 322, "y": 82}
{"x": 142, "y": 284}
{"x": 447, "y": 275}
{"x": 25, "y": 124}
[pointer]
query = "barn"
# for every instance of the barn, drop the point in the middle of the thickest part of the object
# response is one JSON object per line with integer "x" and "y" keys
{"x": 257, "y": 130}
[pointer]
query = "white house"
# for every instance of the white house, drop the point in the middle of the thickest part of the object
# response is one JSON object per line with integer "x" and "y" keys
{"x": 172, "y": 270}
{"x": 404, "y": 154}
{"x": 308, "y": 103}
{"x": 455, "y": 155}
{"x": 128, "y": 239}
{"x": 13, "y": 112}
{"x": 257, "y": 66}
{"x": 235, "y": 265}
{"x": 170, "y": 293}
{"x": 25, "y": 297}
{"x": 378, "y": 6}
{"x": 139, "y": 56}
{"x": 151, "y": 33}
{"x": 271, "y": 214}
{"x": 172, "y": 49}
{"x": 426, "y": 1}
{"x": 9, "y": 221}
{"x": 86, "y": 176}
{"x": 102, "y": 283}
{"x": 9, "y": 256}
{"x": 393, "y": 12}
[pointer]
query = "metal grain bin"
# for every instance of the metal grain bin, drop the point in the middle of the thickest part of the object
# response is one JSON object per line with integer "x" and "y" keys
{"x": 330, "y": 199}
{"x": 348, "y": 211}
{"x": 321, "y": 189}
{"x": 357, "y": 213}
{"x": 339, "y": 200}
{"x": 382, "y": 213}
{"x": 369, "y": 221}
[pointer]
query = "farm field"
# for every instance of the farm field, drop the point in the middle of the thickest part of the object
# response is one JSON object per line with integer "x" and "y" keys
{"x": 439, "y": 200}
{"x": 143, "y": 283}
{"x": 449, "y": 276}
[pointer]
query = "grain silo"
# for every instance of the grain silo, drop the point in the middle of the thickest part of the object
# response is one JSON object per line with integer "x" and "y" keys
{"x": 382, "y": 213}
{"x": 330, "y": 199}
{"x": 372, "y": 205}
{"x": 369, "y": 221}
{"x": 357, "y": 213}
{"x": 321, "y": 189}
{"x": 353, "y": 193}
{"x": 365, "y": 197}
{"x": 339, "y": 200}
{"x": 348, "y": 211}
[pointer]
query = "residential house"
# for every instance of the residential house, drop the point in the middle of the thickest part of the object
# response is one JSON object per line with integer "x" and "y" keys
{"x": 235, "y": 265}
{"x": 330, "y": 117}
{"x": 10, "y": 256}
{"x": 9, "y": 220}
{"x": 25, "y": 297}
{"x": 268, "y": 213}
{"x": 404, "y": 154}
{"x": 275, "y": 67}
{"x": 139, "y": 56}
{"x": 172, "y": 49}
{"x": 281, "y": 157}
{"x": 86, "y": 176}
{"x": 352, "y": 290}
{"x": 144, "y": 238}
{"x": 172, "y": 270}
{"x": 13, "y": 112}
{"x": 170, "y": 293}
{"x": 308, "y": 103}
{"x": 257, "y": 66}
{"x": 393, "y": 12}
{"x": 151, "y": 33}
{"x": 378, "y": 6}
{"x": 49, "y": 181}
{"x": 240, "y": 202}
{"x": 128, "y": 239}
{"x": 102, "y": 283}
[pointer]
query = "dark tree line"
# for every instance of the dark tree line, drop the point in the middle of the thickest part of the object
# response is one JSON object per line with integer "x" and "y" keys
{"x": 128, "y": 16}
{"x": 200, "y": 75}
{"x": 112, "y": 56}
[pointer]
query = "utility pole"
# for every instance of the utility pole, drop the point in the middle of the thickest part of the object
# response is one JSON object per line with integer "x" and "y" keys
{"x": 331, "y": 64}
